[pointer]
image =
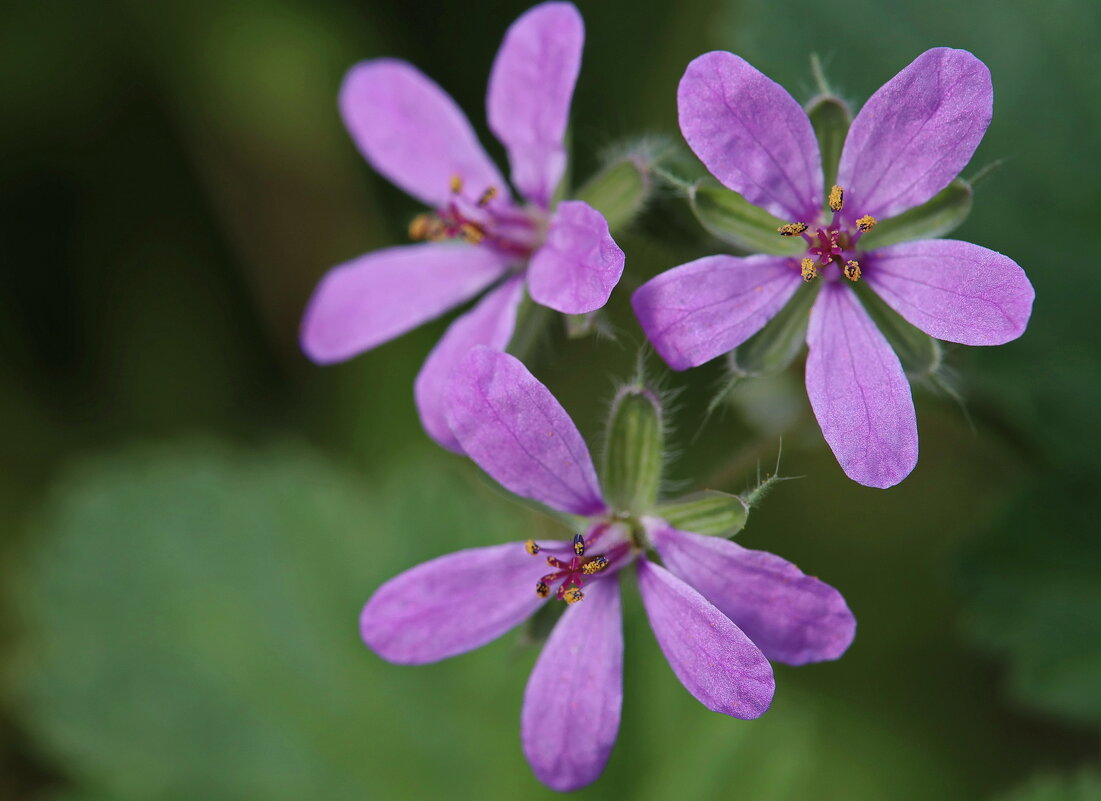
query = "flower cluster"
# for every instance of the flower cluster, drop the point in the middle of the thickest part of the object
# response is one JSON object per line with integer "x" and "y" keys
{"x": 720, "y": 612}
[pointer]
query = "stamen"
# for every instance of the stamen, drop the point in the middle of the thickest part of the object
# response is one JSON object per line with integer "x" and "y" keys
{"x": 837, "y": 198}
{"x": 456, "y": 184}
{"x": 597, "y": 564}
{"x": 578, "y": 544}
{"x": 573, "y": 595}
{"x": 809, "y": 270}
{"x": 541, "y": 589}
{"x": 532, "y": 547}
{"x": 852, "y": 270}
{"x": 471, "y": 233}
{"x": 792, "y": 229}
{"x": 866, "y": 223}
{"x": 420, "y": 227}
{"x": 487, "y": 196}
{"x": 555, "y": 563}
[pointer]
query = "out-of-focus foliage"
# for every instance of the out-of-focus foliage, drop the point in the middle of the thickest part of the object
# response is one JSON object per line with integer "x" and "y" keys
{"x": 191, "y": 626}
{"x": 1085, "y": 785}
{"x": 1035, "y": 601}
{"x": 176, "y": 179}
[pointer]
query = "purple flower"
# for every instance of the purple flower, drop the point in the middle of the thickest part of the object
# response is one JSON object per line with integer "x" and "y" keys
{"x": 718, "y": 610}
{"x": 907, "y": 143}
{"x": 479, "y": 236}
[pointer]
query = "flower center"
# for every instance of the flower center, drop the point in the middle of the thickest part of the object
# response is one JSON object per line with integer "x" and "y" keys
{"x": 485, "y": 220}
{"x": 576, "y": 563}
{"x": 833, "y": 244}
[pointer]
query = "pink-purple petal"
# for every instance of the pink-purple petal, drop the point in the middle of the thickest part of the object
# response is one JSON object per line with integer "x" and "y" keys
{"x": 916, "y": 133}
{"x": 859, "y": 392}
{"x": 579, "y": 264}
{"x": 411, "y": 131}
{"x": 953, "y": 290}
{"x": 515, "y": 429}
{"x": 752, "y": 135}
{"x": 530, "y": 89}
{"x": 712, "y": 657}
{"x": 489, "y": 323}
{"x": 702, "y": 309}
{"x": 573, "y": 699}
{"x": 372, "y": 299}
{"x": 452, "y": 604}
{"x": 792, "y": 617}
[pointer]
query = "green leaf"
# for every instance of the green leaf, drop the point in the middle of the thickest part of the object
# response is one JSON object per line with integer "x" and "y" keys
{"x": 731, "y": 218}
{"x": 619, "y": 191}
{"x": 776, "y": 345}
{"x": 191, "y": 617}
{"x": 831, "y": 117}
{"x": 920, "y": 354}
{"x": 709, "y": 512}
{"x": 939, "y": 215}
{"x": 634, "y": 451}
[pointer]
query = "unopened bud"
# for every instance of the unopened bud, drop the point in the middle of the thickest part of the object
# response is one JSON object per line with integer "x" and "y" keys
{"x": 634, "y": 450}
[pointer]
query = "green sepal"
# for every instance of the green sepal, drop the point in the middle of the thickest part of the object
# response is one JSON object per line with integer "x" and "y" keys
{"x": 634, "y": 451}
{"x": 619, "y": 191}
{"x": 731, "y": 218}
{"x": 776, "y": 345}
{"x": 920, "y": 354}
{"x": 939, "y": 215}
{"x": 709, "y": 512}
{"x": 830, "y": 117}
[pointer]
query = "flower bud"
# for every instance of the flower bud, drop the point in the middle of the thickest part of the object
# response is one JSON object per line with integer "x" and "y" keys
{"x": 919, "y": 353}
{"x": 634, "y": 450}
{"x": 621, "y": 189}
{"x": 776, "y": 345}
{"x": 731, "y": 218}
{"x": 939, "y": 215}
{"x": 830, "y": 117}
{"x": 708, "y": 512}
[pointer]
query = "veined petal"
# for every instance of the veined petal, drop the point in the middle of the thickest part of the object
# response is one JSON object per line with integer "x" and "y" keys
{"x": 916, "y": 133}
{"x": 516, "y": 431}
{"x": 411, "y": 131}
{"x": 702, "y": 309}
{"x": 574, "y": 696}
{"x": 953, "y": 290}
{"x": 792, "y": 617}
{"x": 579, "y": 264}
{"x": 530, "y": 90}
{"x": 372, "y": 299}
{"x": 752, "y": 135}
{"x": 859, "y": 391}
{"x": 490, "y": 323}
{"x": 712, "y": 657}
{"x": 452, "y": 604}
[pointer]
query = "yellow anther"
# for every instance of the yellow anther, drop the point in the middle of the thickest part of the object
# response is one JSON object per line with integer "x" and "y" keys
{"x": 809, "y": 270}
{"x": 837, "y": 198}
{"x": 532, "y": 547}
{"x": 541, "y": 589}
{"x": 471, "y": 233}
{"x": 572, "y": 595}
{"x": 852, "y": 270}
{"x": 595, "y": 566}
{"x": 578, "y": 544}
{"x": 487, "y": 196}
{"x": 420, "y": 227}
{"x": 792, "y": 229}
{"x": 866, "y": 223}
{"x": 456, "y": 184}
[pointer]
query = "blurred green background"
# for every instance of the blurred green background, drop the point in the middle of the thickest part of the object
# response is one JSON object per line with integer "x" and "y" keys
{"x": 194, "y": 514}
